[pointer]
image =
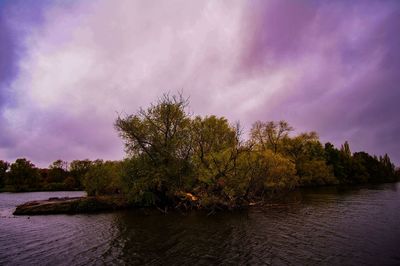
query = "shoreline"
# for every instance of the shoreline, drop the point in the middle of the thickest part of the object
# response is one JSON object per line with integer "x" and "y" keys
{"x": 108, "y": 203}
{"x": 71, "y": 205}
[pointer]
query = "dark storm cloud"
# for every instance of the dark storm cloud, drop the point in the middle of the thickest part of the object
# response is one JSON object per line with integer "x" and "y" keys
{"x": 329, "y": 66}
{"x": 353, "y": 94}
{"x": 7, "y": 54}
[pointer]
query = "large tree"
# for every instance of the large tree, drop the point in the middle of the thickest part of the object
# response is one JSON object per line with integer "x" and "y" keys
{"x": 215, "y": 146}
{"x": 160, "y": 137}
{"x": 269, "y": 135}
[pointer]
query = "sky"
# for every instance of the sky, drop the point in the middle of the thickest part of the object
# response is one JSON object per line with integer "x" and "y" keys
{"x": 68, "y": 68}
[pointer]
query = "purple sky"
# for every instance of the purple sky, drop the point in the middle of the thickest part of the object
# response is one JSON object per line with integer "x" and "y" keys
{"x": 68, "y": 67}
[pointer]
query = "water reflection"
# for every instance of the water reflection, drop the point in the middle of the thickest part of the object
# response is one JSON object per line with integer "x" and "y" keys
{"x": 328, "y": 226}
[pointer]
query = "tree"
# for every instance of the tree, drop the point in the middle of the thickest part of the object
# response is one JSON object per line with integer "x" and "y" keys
{"x": 307, "y": 153}
{"x": 315, "y": 173}
{"x": 359, "y": 167}
{"x": 304, "y": 146}
{"x": 215, "y": 148}
{"x": 161, "y": 135}
{"x": 23, "y": 175}
{"x": 269, "y": 135}
{"x": 339, "y": 162}
{"x": 57, "y": 172}
{"x": 345, "y": 149}
{"x": 265, "y": 173}
{"x": 387, "y": 169}
{"x": 78, "y": 169}
{"x": 103, "y": 178}
{"x": 174, "y": 156}
{"x": 280, "y": 173}
{"x": 3, "y": 172}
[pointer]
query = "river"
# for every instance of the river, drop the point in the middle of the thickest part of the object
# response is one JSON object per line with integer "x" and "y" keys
{"x": 328, "y": 226}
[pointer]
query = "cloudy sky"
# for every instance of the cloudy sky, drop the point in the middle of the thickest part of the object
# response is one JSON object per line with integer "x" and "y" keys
{"x": 67, "y": 68}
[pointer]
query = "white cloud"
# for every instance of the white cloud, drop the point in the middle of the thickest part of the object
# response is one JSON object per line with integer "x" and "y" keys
{"x": 96, "y": 58}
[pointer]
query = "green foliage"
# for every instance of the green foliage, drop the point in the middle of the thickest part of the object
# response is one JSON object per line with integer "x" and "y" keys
{"x": 175, "y": 159}
{"x": 302, "y": 147}
{"x": 280, "y": 173}
{"x": 3, "y": 172}
{"x": 345, "y": 149}
{"x": 161, "y": 135}
{"x": 215, "y": 149}
{"x": 307, "y": 153}
{"x": 78, "y": 169}
{"x": 262, "y": 173}
{"x": 315, "y": 173}
{"x": 70, "y": 183}
{"x": 103, "y": 178}
{"x": 359, "y": 167}
{"x": 54, "y": 186}
{"x": 23, "y": 175}
{"x": 269, "y": 135}
{"x": 138, "y": 181}
{"x": 173, "y": 155}
{"x": 57, "y": 172}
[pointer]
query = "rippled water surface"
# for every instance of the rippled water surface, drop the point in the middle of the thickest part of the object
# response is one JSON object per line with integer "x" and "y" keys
{"x": 360, "y": 226}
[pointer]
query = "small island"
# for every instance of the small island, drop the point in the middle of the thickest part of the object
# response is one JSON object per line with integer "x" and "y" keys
{"x": 71, "y": 205}
{"x": 179, "y": 161}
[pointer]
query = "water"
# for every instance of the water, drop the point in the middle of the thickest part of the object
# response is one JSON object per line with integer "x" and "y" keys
{"x": 360, "y": 226}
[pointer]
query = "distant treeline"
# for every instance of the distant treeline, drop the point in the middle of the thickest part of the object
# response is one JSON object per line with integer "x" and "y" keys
{"x": 23, "y": 175}
{"x": 176, "y": 159}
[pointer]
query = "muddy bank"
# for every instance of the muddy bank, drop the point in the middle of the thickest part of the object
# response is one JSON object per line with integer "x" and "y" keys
{"x": 182, "y": 202}
{"x": 71, "y": 205}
